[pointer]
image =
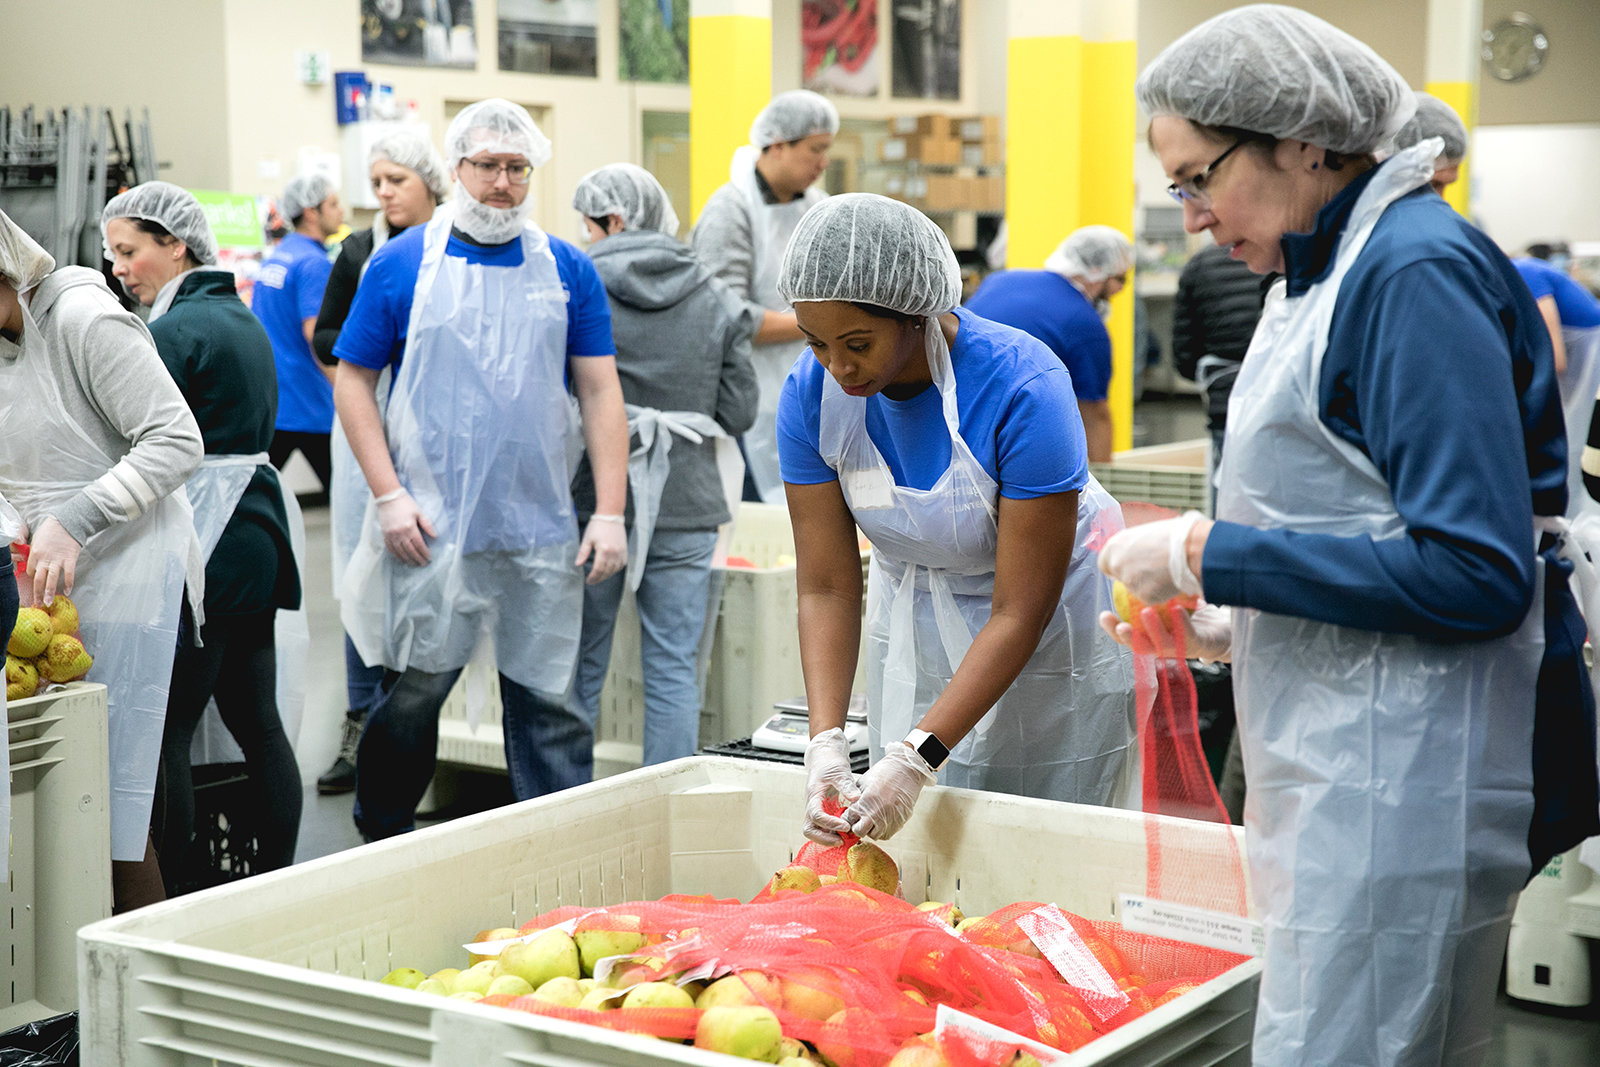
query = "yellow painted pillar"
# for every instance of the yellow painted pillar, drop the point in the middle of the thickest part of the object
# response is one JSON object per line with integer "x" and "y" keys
{"x": 1044, "y": 157}
{"x": 1454, "y": 38}
{"x": 730, "y": 80}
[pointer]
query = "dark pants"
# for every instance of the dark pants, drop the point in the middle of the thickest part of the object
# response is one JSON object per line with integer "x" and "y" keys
{"x": 313, "y": 446}
{"x": 9, "y": 600}
{"x": 548, "y": 747}
{"x": 239, "y": 666}
{"x": 362, "y": 684}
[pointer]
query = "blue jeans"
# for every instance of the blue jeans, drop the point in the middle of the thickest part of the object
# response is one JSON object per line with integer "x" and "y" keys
{"x": 548, "y": 747}
{"x": 672, "y": 600}
{"x": 361, "y": 682}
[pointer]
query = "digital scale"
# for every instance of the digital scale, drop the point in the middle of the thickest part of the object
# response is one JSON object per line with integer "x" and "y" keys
{"x": 790, "y": 729}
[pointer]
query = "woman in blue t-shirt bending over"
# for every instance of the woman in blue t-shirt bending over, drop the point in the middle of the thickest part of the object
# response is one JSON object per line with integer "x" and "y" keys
{"x": 955, "y": 446}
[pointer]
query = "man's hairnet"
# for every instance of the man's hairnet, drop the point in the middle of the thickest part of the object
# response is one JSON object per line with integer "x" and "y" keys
{"x": 1093, "y": 253}
{"x": 1279, "y": 71}
{"x": 1434, "y": 118}
{"x": 172, "y": 208}
{"x": 498, "y": 127}
{"x": 870, "y": 249}
{"x": 412, "y": 150}
{"x": 630, "y": 191}
{"x": 23, "y": 262}
{"x": 794, "y": 115}
{"x": 304, "y": 193}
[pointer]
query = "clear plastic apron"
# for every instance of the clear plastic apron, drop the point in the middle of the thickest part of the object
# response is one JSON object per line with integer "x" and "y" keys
{"x": 650, "y": 462}
{"x": 1579, "y": 384}
{"x": 130, "y": 577}
{"x": 1066, "y": 728}
{"x": 480, "y": 428}
{"x": 1391, "y": 784}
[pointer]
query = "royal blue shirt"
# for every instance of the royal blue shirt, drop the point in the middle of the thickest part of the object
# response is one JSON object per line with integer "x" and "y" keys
{"x": 286, "y": 293}
{"x": 1014, "y": 402}
{"x": 1576, "y": 305}
{"x": 374, "y": 335}
{"x": 1047, "y": 306}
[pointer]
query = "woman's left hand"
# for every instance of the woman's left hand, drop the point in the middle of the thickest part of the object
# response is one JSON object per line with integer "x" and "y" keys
{"x": 1157, "y": 561}
{"x": 52, "y": 560}
{"x": 889, "y": 792}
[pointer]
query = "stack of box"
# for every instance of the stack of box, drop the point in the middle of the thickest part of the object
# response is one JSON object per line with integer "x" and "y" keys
{"x": 929, "y": 139}
{"x": 963, "y": 146}
{"x": 980, "y": 140}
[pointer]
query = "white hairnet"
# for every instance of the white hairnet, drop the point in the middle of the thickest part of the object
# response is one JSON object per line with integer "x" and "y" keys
{"x": 1434, "y": 118}
{"x": 304, "y": 193}
{"x": 1279, "y": 71}
{"x": 498, "y": 127}
{"x": 870, "y": 249}
{"x": 1093, "y": 253}
{"x": 172, "y": 208}
{"x": 23, "y": 262}
{"x": 794, "y": 115}
{"x": 630, "y": 191}
{"x": 412, "y": 150}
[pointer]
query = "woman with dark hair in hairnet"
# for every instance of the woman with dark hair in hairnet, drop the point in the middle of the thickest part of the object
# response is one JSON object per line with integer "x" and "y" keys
{"x": 1416, "y": 721}
{"x": 1435, "y": 118}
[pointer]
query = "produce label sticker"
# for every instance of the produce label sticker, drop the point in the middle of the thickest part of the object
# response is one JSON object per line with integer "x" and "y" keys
{"x": 985, "y": 1042}
{"x": 1197, "y": 926}
{"x": 1047, "y": 928}
{"x": 494, "y": 948}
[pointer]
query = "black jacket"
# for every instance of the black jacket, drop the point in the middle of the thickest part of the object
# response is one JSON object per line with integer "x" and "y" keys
{"x": 1218, "y": 304}
{"x": 341, "y": 292}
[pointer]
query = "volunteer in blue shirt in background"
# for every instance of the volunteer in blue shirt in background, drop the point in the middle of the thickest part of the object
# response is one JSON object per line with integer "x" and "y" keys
{"x": 1572, "y": 316}
{"x": 473, "y": 535}
{"x": 1064, "y": 306}
{"x": 286, "y": 298}
{"x": 1417, "y": 725}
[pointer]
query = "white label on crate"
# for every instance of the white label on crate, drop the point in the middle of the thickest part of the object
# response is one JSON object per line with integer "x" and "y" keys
{"x": 986, "y": 1039}
{"x": 1049, "y": 929}
{"x": 1197, "y": 926}
{"x": 869, "y": 489}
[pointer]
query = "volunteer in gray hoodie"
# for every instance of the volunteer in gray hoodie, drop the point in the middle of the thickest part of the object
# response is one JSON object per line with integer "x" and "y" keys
{"x": 683, "y": 354}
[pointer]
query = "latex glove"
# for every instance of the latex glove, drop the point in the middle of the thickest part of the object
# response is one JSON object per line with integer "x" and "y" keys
{"x": 1151, "y": 560}
{"x": 606, "y": 538}
{"x": 828, "y": 774}
{"x": 403, "y": 525}
{"x": 889, "y": 792}
{"x": 1207, "y": 632}
{"x": 52, "y": 560}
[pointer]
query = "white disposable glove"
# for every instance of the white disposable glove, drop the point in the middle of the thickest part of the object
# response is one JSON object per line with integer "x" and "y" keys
{"x": 606, "y": 538}
{"x": 1207, "y": 632}
{"x": 828, "y": 774}
{"x": 1152, "y": 559}
{"x": 52, "y": 559}
{"x": 889, "y": 792}
{"x": 403, "y": 525}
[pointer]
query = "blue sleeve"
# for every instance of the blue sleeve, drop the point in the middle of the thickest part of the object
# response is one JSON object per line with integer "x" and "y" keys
{"x": 1538, "y": 281}
{"x": 311, "y": 279}
{"x": 1438, "y": 413}
{"x": 1089, "y": 362}
{"x": 800, "y": 428}
{"x": 376, "y": 321}
{"x": 1039, "y": 443}
{"x": 588, "y": 310}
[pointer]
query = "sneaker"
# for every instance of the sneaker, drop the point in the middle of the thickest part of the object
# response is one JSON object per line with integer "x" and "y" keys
{"x": 341, "y": 777}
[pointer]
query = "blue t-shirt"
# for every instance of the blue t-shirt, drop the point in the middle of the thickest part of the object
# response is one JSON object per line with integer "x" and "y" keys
{"x": 287, "y": 292}
{"x": 374, "y": 335}
{"x": 1576, "y": 306}
{"x": 1048, "y": 306}
{"x": 1016, "y": 409}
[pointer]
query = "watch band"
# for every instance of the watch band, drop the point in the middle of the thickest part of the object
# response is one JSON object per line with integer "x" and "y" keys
{"x": 932, "y": 750}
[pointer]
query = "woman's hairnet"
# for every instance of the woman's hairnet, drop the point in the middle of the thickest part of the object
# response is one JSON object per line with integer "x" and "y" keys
{"x": 498, "y": 127}
{"x": 23, "y": 262}
{"x": 302, "y": 194}
{"x": 630, "y": 191}
{"x": 870, "y": 249}
{"x": 793, "y": 115}
{"x": 1093, "y": 253}
{"x": 412, "y": 150}
{"x": 172, "y": 208}
{"x": 1279, "y": 71}
{"x": 1434, "y": 118}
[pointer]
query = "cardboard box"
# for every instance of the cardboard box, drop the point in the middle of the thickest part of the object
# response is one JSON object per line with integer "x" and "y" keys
{"x": 934, "y": 151}
{"x": 982, "y": 128}
{"x": 937, "y": 126}
{"x": 980, "y": 154}
{"x": 894, "y": 150}
{"x": 902, "y": 125}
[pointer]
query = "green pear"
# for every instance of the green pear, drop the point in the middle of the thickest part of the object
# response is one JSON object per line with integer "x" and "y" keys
{"x": 657, "y": 995}
{"x": 563, "y": 991}
{"x": 465, "y": 994}
{"x": 509, "y": 985}
{"x": 793, "y": 1049}
{"x": 550, "y": 955}
{"x": 600, "y": 999}
{"x": 445, "y": 975}
{"x": 588, "y": 984}
{"x": 596, "y": 945}
{"x": 750, "y": 1032}
{"x": 404, "y": 977}
{"x": 434, "y": 986}
{"x": 475, "y": 979}
{"x": 796, "y": 1061}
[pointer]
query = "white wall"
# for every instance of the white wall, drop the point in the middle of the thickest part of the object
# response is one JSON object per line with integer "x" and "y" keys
{"x": 1535, "y": 183}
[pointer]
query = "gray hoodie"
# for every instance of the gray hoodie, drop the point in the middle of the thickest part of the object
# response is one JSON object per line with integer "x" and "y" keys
{"x": 683, "y": 344}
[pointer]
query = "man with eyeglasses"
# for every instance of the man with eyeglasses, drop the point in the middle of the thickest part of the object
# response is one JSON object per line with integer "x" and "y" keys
{"x": 471, "y": 549}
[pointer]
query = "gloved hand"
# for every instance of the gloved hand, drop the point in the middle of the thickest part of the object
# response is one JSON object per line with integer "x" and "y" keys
{"x": 52, "y": 559}
{"x": 889, "y": 792}
{"x": 403, "y": 525}
{"x": 607, "y": 538}
{"x": 1207, "y": 632}
{"x": 1152, "y": 559}
{"x": 828, "y": 774}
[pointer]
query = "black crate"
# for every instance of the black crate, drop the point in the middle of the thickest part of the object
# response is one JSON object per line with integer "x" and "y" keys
{"x": 744, "y": 748}
{"x": 224, "y": 847}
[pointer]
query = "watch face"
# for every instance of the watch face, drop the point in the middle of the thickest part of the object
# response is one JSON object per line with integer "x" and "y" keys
{"x": 1515, "y": 48}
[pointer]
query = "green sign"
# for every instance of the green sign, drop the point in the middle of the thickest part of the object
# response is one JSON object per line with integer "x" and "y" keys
{"x": 232, "y": 216}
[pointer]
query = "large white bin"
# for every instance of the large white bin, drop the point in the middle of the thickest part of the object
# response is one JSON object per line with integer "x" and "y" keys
{"x": 279, "y": 969}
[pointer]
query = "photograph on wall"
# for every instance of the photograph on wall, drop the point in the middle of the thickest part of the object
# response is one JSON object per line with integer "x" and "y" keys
{"x": 419, "y": 33}
{"x": 655, "y": 40}
{"x": 840, "y": 40}
{"x": 927, "y": 49}
{"x": 549, "y": 36}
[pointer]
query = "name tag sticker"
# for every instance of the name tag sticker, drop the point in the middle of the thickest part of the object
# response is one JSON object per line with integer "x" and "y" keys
{"x": 869, "y": 489}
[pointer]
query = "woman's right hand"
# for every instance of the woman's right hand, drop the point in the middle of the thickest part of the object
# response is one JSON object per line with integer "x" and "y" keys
{"x": 828, "y": 774}
{"x": 52, "y": 561}
{"x": 1207, "y": 632}
{"x": 403, "y": 525}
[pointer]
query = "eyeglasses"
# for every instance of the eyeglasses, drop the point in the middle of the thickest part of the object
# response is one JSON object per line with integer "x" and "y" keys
{"x": 1194, "y": 188}
{"x": 516, "y": 173}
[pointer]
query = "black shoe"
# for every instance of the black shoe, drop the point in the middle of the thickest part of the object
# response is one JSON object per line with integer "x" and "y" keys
{"x": 341, "y": 777}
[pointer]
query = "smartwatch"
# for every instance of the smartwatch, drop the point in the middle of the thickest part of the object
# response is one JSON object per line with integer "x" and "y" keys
{"x": 930, "y": 748}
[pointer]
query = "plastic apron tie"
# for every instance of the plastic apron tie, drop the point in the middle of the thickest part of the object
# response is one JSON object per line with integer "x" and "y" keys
{"x": 650, "y": 463}
{"x": 1579, "y": 383}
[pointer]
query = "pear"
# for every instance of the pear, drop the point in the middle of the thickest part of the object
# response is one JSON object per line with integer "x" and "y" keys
{"x": 476, "y": 979}
{"x": 550, "y": 955}
{"x": 793, "y": 1049}
{"x": 967, "y": 923}
{"x": 745, "y": 989}
{"x": 434, "y": 986}
{"x": 404, "y": 977}
{"x": 31, "y": 634}
{"x": 502, "y": 933}
{"x": 955, "y": 916}
{"x": 796, "y": 1061}
{"x": 828, "y": 879}
{"x": 749, "y": 1032}
{"x": 465, "y": 994}
{"x": 1024, "y": 1059}
{"x": 509, "y": 985}
{"x": 22, "y": 678}
{"x": 445, "y": 975}
{"x": 65, "y": 660}
{"x": 812, "y": 993}
{"x": 795, "y": 877}
{"x": 63, "y": 615}
{"x": 657, "y": 995}
{"x": 563, "y": 991}
{"x": 599, "y": 999}
{"x": 619, "y": 938}
{"x": 920, "y": 1056}
{"x": 840, "y": 1023}
{"x": 871, "y": 866}
{"x": 587, "y": 984}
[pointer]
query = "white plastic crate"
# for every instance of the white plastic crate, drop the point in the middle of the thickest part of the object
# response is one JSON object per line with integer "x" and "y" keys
{"x": 60, "y": 847}
{"x": 1173, "y": 476}
{"x": 280, "y": 969}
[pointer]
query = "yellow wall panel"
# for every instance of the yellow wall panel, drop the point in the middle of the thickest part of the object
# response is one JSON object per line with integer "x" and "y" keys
{"x": 730, "y": 81}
